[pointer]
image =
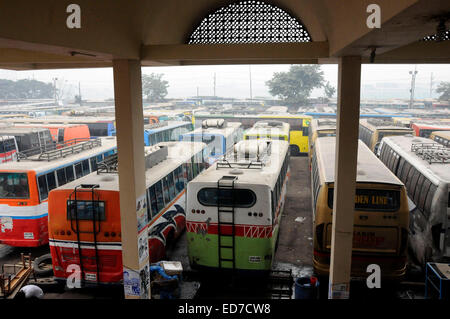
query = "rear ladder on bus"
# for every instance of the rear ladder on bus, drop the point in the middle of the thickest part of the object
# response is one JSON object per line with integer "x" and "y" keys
{"x": 226, "y": 183}
{"x": 75, "y": 226}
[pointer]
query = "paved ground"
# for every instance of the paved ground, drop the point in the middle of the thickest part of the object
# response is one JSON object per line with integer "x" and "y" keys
{"x": 295, "y": 241}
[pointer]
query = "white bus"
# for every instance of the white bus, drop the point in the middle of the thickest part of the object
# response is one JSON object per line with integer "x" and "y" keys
{"x": 234, "y": 208}
{"x": 219, "y": 136}
{"x": 424, "y": 166}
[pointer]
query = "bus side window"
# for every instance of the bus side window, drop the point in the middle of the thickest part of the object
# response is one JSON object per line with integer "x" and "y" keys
{"x": 166, "y": 189}
{"x": 159, "y": 196}
{"x": 153, "y": 201}
{"x": 149, "y": 210}
{"x": 78, "y": 170}
{"x": 172, "y": 193}
{"x": 429, "y": 200}
{"x": 417, "y": 190}
{"x": 61, "y": 175}
{"x": 51, "y": 181}
{"x": 273, "y": 207}
{"x": 400, "y": 167}
{"x": 93, "y": 161}
{"x": 423, "y": 194}
{"x": 69, "y": 173}
{"x": 42, "y": 184}
{"x": 85, "y": 167}
{"x": 178, "y": 178}
{"x": 412, "y": 185}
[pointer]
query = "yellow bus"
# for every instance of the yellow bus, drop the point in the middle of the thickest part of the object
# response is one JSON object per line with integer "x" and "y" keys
{"x": 380, "y": 233}
{"x": 320, "y": 128}
{"x": 298, "y": 125}
{"x": 442, "y": 137}
{"x": 371, "y": 131}
{"x": 274, "y": 130}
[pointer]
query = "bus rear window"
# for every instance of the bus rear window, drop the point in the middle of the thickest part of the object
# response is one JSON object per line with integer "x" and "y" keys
{"x": 84, "y": 210}
{"x": 372, "y": 199}
{"x": 243, "y": 197}
{"x": 14, "y": 185}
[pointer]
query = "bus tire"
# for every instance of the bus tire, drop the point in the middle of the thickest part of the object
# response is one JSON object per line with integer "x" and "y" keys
{"x": 294, "y": 150}
{"x": 41, "y": 261}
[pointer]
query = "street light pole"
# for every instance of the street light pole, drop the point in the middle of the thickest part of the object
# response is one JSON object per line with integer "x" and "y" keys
{"x": 413, "y": 84}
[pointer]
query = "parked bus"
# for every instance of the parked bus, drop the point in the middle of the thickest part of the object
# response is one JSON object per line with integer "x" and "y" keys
{"x": 24, "y": 188}
{"x": 298, "y": 125}
{"x": 268, "y": 130}
{"x": 29, "y": 140}
{"x": 62, "y": 133}
{"x": 424, "y": 128}
{"x": 234, "y": 208}
{"x": 98, "y": 126}
{"x": 424, "y": 166}
{"x": 169, "y": 166}
{"x": 219, "y": 136}
{"x": 371, "y": 131}
{"x": 442, "y": 137}
{"x": 380, "y": 232}
{"x": 320, "y": 128}
{"x": 8, "y": 149}
{"x": 168, "y": 131}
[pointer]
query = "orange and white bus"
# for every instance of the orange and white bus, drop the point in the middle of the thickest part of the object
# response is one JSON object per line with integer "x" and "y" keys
{"x": 78, "y": 234}
{"x": 25, "y": 184}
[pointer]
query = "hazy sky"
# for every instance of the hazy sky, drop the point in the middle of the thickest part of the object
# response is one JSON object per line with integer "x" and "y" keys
{"x": 378, "y": 81}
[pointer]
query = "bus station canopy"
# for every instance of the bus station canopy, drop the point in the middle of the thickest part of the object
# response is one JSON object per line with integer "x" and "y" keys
{"x": 34, "y": 34}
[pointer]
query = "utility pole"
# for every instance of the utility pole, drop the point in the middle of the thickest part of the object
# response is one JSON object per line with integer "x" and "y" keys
{"x": 413, "y": 84}
{"x": 79, "y": 91}
{"x": 431, "y": 86}
{"x": 214, "y": 84}
{"x": 250, "y": 74}
{"x": 197, "y": 91}
{"x": 55, "y": 93}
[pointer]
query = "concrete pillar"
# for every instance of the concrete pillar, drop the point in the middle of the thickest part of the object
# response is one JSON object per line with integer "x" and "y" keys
{"x": 345, "y": 176}
{"x": 130, "y": 144}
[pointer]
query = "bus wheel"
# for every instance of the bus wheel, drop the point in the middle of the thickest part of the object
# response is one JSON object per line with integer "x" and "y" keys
{"x": 295, "y": 150}
{"x": 42, "y": 266}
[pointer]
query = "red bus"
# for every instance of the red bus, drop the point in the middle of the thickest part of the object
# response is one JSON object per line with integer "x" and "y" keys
{"x": 424, "y": 129}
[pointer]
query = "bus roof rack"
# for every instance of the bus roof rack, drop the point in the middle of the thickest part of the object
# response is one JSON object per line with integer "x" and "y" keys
{"x": 155, "y": 125}
{"x": 153, "y": 155}
{"x": 247, "y": 154}
{"x": 109, "y": 164}
{"x": 54, "y": 151}
{"x": 432, "y": 152}
{"x": 381, "y": 122}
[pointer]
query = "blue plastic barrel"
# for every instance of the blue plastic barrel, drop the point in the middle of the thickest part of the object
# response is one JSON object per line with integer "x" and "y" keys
{"x": 304, "y": 289}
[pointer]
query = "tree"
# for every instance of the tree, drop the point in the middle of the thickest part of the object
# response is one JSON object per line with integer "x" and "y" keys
{"x": 295, "y": 86}
{"x": 444, "y": 90}
{"x": 329, "y": 90}
{"x": 154, "y": 87}
{"x": 25, "y": 89}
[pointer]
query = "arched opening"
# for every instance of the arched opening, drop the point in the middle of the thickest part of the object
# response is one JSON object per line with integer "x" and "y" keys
{"x": 249, "y": 22}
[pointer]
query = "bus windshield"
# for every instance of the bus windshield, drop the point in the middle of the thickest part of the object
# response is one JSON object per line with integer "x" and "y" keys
{"x": 14, "y": 185}
{"x": 372, "y": 199}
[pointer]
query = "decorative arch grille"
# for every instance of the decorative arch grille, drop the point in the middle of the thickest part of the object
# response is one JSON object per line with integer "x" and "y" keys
{"x": 249, "y": 22}
{"x": 445, "y": 37}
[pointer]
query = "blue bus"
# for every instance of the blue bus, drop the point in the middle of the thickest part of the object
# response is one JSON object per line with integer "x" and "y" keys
{"x": 168, "y": 131}
{"x": 219, "y": 136}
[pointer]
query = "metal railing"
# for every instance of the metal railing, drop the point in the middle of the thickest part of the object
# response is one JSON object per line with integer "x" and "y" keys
{"x": 54, "y": 151}
{"x": 109, "y": 164}
{"x": 432, "y": 152}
